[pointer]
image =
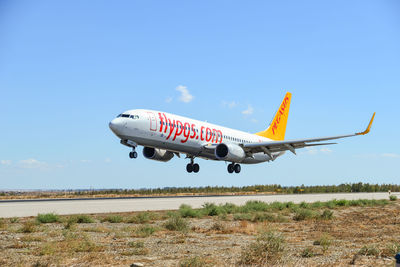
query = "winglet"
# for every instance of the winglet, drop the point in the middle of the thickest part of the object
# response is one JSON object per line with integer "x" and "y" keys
{"x": 369, "y": 126}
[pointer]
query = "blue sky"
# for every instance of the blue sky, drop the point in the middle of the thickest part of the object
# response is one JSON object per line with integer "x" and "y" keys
{"x": 68, "y": 67}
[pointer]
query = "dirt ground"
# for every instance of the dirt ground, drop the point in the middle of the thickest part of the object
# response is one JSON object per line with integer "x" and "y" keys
{"x": 361, "y": 236}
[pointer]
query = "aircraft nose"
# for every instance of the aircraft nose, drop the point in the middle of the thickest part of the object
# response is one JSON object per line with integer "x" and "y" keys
{"x": 114, "y": 125}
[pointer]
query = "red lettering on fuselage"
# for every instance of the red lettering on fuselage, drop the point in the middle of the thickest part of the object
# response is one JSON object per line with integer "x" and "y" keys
{"x": 188, "y": 131}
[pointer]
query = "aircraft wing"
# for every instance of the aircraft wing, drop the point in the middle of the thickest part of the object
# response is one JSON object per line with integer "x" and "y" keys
{"x": 291, "y": 145}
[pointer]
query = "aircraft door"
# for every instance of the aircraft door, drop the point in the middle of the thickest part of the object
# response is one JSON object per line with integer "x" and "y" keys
{"x": 153, "y": 121}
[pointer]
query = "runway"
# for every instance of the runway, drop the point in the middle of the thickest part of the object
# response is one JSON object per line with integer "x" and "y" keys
{"x": 28, "y": 208}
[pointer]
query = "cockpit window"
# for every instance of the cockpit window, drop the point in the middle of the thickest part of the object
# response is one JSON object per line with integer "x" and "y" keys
{"x": 135, "y": 117}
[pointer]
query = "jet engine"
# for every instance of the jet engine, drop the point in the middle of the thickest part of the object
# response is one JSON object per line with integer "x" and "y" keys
{"x": 157, "y": 154}
{"x": 230, "y": 152}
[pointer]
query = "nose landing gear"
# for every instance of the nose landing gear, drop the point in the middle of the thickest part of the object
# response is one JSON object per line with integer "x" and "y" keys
{"x": 232, "y": 167}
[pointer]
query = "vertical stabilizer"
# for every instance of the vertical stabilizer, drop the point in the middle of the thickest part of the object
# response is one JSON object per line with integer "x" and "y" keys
{"x": 277, "y": 128}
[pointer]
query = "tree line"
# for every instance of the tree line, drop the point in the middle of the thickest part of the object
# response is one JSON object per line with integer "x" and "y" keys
{"x": 274, "y": 188}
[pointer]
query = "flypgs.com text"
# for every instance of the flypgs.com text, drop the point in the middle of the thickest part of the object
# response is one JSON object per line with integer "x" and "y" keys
{"x": 175, "y": 128}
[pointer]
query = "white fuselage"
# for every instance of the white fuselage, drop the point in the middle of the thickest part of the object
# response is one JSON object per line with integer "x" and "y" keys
{"x": 180, "y": 134}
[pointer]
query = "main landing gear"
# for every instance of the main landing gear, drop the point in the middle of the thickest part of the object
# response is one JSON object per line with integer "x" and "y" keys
{"x": 192, "y": 167}
{"x": 232, "y": 167}
{"x": 133, "y": 153}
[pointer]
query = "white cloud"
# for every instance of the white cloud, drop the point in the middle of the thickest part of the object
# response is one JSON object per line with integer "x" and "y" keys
{"x": 254, "y": 120}
{"x": 185, "y": 95}
{"x": 390, "y": 155}
{"x": 5, "y": 162}
{"x": 168, "y": 99}
{"x": 86, "y": 160}
{"x": 107, "y": 160}
{"x": 248, "y": 111}
{"x": 32, "y": 164}
{"x": 229, "y": 104}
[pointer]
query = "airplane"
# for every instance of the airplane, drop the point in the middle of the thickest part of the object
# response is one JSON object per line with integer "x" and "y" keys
{"x": 164, "y": 135}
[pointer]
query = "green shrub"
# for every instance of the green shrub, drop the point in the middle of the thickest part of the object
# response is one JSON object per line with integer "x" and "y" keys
{"x": 229, "y": 208}
{"x": 254, "y": 205}
{"x": 369, "y": 250}
{"x": 242, "y": 217}
{"x": 303, "y": 214}
{"x": 187, "y": 211}
{"x": 211, "y": 209}
{"x": 2, "y": 223}
{"x": 84, "y": 219}
{"x": 112, "y": 219}
{"x": 330, "y": 204}
{"x": 342, "y": 202}
{"x": 393, "y": 198}
{"x": 277, "y": 205}
{"x": 145, "y": 230}
{"x": 304, "y": 205}
{"x": 324, "y": 241}
{"x": 176, "y": 223}
{"x": 290, "y": 205}
{"x": 307, "y": 253}
{"x": 192, "y": 262}
{"x": 317, "y": 204}
{"x": 326, "y": 215}
{"x": 47, "y": 218}
{"x": 266, "y": 250}
{"x": 14, "y": 220}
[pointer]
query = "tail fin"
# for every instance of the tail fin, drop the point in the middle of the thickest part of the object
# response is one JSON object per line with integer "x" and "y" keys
{"x": 277, "y": 128}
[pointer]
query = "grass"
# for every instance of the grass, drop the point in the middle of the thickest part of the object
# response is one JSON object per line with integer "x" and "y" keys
{"x": 210, "y": 209}
{"x": 195, "y": 261}
{"x": 324, "y": 241}
{"x": 393, "y": 198}
{"x": 137, "y": 244}
{"x": 370, "y": 250}
{"x": 47, "y": 218}
{"x": 142, "y": 217}
{"x": 304, "y": 214}
{"x": 307, "y": 253}
{"x": 176, "y": 223}
{"x": 2, "y": 223}
{"x": 14, "y": 220}
{"x": 391, "y": 249}
{"x": 28, "y": 227}
{"x": 112, "y": 219}
{"x": 266, "y": 250}
{"x": 326, "y": 215}
{"x": 187, "y": 211}
{"x": 145, "y": 230}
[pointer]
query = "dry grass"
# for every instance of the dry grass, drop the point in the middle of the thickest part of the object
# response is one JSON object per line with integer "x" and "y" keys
{"x": 361, "y": 235}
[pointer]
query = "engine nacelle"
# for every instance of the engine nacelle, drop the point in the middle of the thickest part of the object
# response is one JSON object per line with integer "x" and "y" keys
{"x": 230, "y": 152}
{"x": 157, "y": 154}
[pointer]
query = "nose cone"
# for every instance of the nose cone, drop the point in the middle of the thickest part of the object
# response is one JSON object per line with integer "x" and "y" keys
{"x": 115, "y": 125}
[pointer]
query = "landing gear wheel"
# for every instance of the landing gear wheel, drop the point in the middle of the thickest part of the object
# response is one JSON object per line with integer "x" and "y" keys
{"x": 133, "y": 154}
{"x": 230, "y": 168}
{"x": 189, "y": 168}
{"x": 196, "y": 168}
{"x": 237, "y": 168}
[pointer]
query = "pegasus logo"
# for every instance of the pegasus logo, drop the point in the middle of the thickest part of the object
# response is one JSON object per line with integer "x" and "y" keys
{"x": 279, "y": 114}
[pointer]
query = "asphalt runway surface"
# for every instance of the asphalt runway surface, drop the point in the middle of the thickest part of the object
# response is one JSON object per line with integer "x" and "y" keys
{"x": 25, "y": 208}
